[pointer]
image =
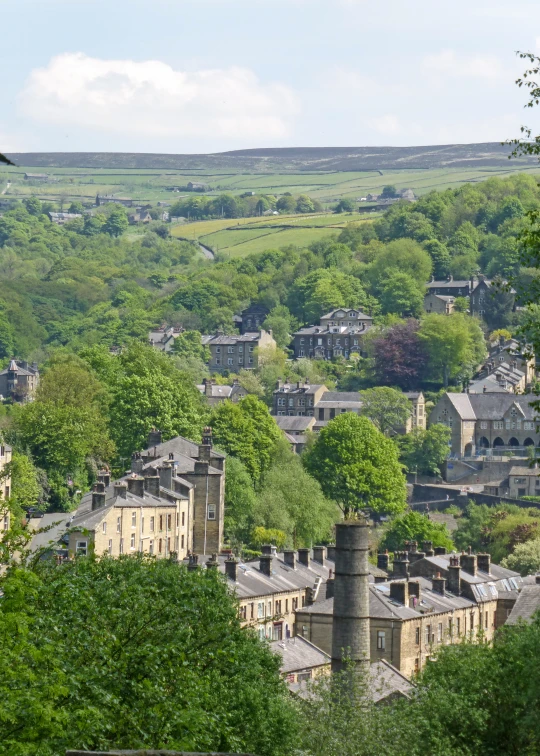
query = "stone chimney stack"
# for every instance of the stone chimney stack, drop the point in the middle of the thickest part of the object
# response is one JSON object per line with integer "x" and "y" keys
{"x": 303, "y": 557}
{"x": 400, "y": 565}
{"x": 120, "y": 489}
{"x": 165, "y": 476}
{"x": 231, "y": 568}
{"x": 331, "y": 552}
{"x": 383, "y": 561}
{"x": 289, "y": 557}
{"x": 400, "y": 592}
{"x": 440, "y": 550}
{"x": 98, "y": 498}
{"x": 439, "y": 584}
{"x": 193, "y": 562}
{"x": 135, "y": 485}
{"x": 265, "y": 564}
{"x": 484, "y": 562}
{"x": 266, "y": 548}
{"x": 330, "y": 585}
{"x": 104, "y": 476}
{"x": 151, "y": 484}
{"x": 154, "y": 438}
{"x": 468, "y": 563}
{"x": 428, "y": 548}
{"x": 137, "y": 462}
{"x": 350, "y": 625}
{"x": 319, "y": 554}
{"x": 205, "y": 448}
{"x": 454, "y": 576}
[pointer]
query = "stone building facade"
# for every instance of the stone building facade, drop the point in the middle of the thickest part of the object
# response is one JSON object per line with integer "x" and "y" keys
{"x": 233, "y": 353}
{"x": 173, "y": 501}
{"x": 495, "y": 421}
{"x": 19, "y": 380}
{"x": 339, "y": 334}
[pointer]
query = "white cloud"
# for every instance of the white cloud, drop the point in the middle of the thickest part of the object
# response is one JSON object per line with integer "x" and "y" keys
{"x": 152, "y": 99}
{"x": 470, "y": 66}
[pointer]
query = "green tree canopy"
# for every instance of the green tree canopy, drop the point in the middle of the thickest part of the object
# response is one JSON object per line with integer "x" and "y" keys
{"x": 413, "y": 526}
{"x": 454, "y": 343}
{"x": 134, "y": 653}
{"x": 357, "y": 466}
{"x": 387, "y": 408}
{"x": 425, "y": 451}
{"x": 247, "y": 431}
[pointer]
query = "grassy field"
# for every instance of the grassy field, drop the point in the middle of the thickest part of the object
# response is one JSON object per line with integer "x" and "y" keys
{"x": 152, "y": 186}
{"x": 247, "y": 235}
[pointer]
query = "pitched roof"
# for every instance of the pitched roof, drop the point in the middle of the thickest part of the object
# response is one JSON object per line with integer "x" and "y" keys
{"x": 522, "y": 470}
{"x": 447, "y": 284}
{"x": 462, "y": 405}
{"x": 341, "y": 396}
{"x": 298, "y": 654}
{"x": 493, "y": 406}
{"x": 223, "y": 339}
{"x": 527, "y": 604}
{"x": 179, "y": 445}
{"x": 294, "y": 423}
{"x": 387, "y": 681}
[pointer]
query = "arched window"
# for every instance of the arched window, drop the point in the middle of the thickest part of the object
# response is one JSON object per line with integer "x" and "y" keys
{"x": 483, "y": 443}
{"x": 468, "y": 449}
{"x": 498, "y": 442}
{"x": 528, "y": 442}
{"x": 513, "y": 441}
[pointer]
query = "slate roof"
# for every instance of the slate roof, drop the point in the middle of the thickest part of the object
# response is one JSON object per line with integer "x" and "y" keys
{"x": 346, "y": 310}
{"x": 522, "y": 470}
{"x": 447, "y": 284}
{"x": 294, "y": 423}
{"x": 387, "y": 681}
{"x": 341, "y": 396}
{"x": 13, "y": 367}
{"x": 491, "y": 406}
{"x": 527, "y": 604}
{"x": 298, "y": 654}
{"x": 225, "y": 339}
{"x": 217, "y": 392}
{"x": 252, "y": 583}
{"x": 179, "y": 445}
{"x": 488, "y": 384}
{"x": 292, "y": 388}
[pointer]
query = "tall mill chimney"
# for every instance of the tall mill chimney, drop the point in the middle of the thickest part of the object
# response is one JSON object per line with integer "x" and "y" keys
{"x": 350, "y": 626}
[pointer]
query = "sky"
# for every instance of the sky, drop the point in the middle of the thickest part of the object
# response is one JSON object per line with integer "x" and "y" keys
{"x": 188, "y": 76}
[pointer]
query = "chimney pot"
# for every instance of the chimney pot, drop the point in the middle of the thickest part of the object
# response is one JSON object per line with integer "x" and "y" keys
{"x": 193, "y": 562}
{"x": 212, "y": 563}
{"x": 154, "y": 438}
{"x": 439, "y": 584}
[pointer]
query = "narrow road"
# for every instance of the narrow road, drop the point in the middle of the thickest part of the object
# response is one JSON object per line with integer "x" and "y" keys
{"x": 7, "y": 187}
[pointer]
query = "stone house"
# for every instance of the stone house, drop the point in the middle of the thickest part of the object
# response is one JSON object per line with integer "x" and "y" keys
{"x": 524, "y": 481}
{"x": 19, "y": 380}
{"x": 295, "y": 425}
{"x": 60, "y": 218}
{"x": 339, "y": 334}
{"x": 272, "y": 588}
{"x": 413, "y": 615}
{"x": 217, "y": 393}
{"x": 495, "y": 421}
{"x": 527, "y": 604}
{"x": 450, "y": 288}
{"x": 296, "y": 398}
{"x": 440, "y": 303}
{"x": 251, "y": 318}
{"x": 502, "y": 377}
{"x": 301, "y": 661}
{"x": 481, "y": 291}
{"x": 417, "y": 417}
{"x": 173, "y": 500}
{"x": 511, "y": 353}
{"x": 163, "y": 338}
{"x": 236, "y": 352}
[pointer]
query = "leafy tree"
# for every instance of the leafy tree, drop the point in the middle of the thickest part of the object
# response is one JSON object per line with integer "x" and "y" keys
{"x": 7, "y": 340}
{"x": 26, "y": 490}
{"x": 400, "y": 294}
{"x": 76, "y": 207}
{"x": 280, "y": 321}
{"x": 33, "y": 205}
{"x": 399, "y": 355}
{"x": 147, "y": 392}
{"x": 461, "y": 304}
{"x": 116, "y": 222}
{"x": 404, "y": 255}
{"x": 292, "y": 501}
{"x": 440, "y": 256}
{"x": 189, "y": 344}
{"x": 454, "y": 344}
{"x": 65, "y": 428}
{"x": 345, "y": 205}
{"x": 247, "y": 431}
{"x": 324, "y": 290}
{"x": 425, "y": 451}
{"x": 131, "y": 672}
{"x": 525, "y": 558}
{"x": 498, "y": 305}
{"x": 262, "y": 536}
{"x": 387, "y": 408}
{"x": 389, "y": 192}
{"x": 304, "y": 204}
{"x": 357, "y": 466}
{"x": 286, "y": 204}
{"x": 240, "y": 502}
{"x": 413, "y": 526}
